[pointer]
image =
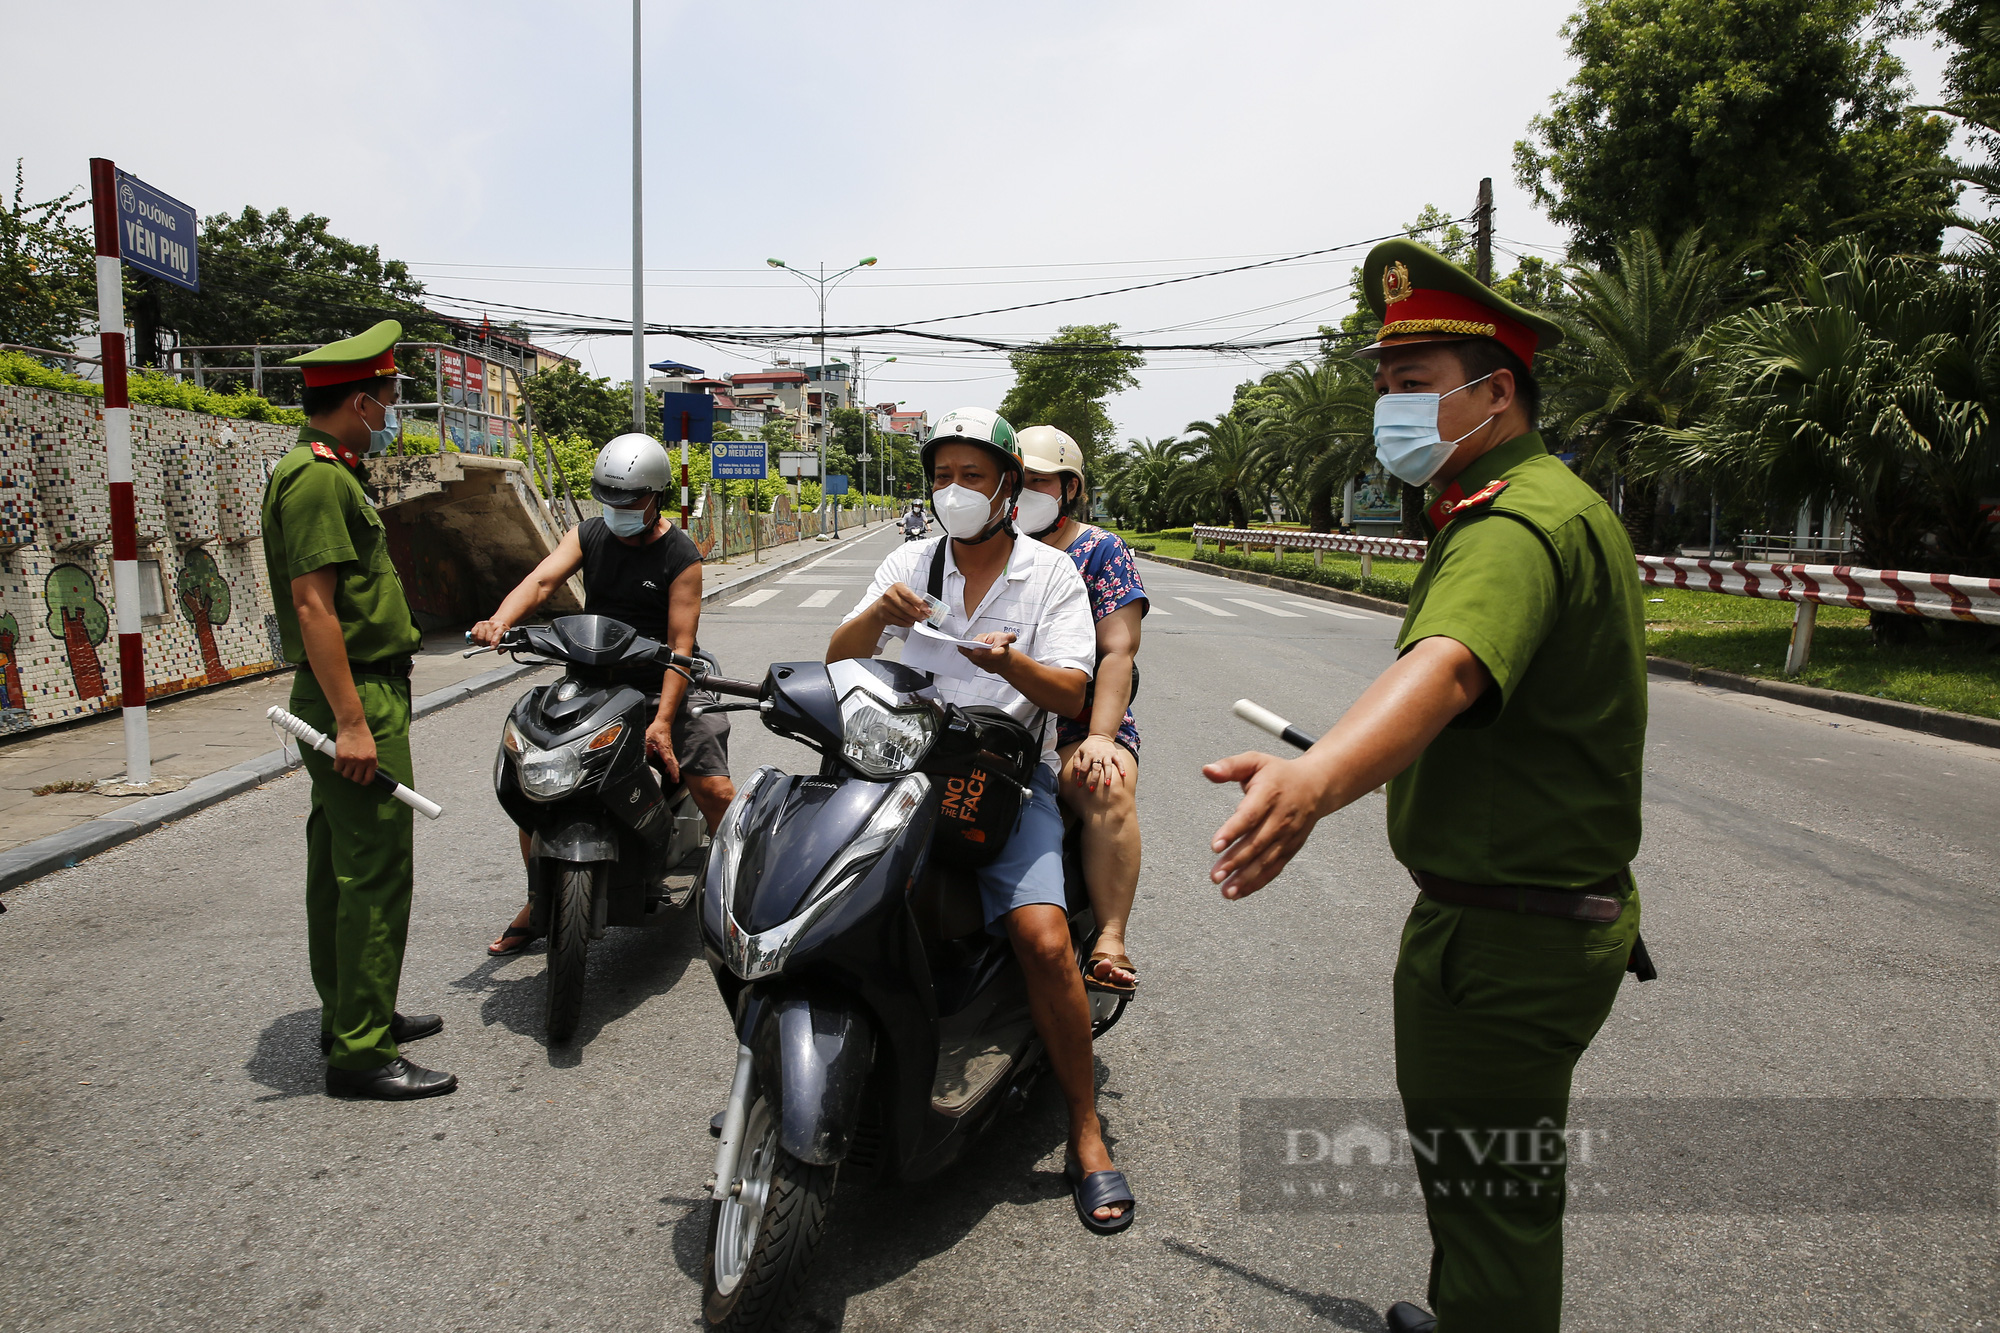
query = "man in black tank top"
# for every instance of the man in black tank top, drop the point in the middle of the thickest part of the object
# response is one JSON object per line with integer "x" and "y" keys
{"x": 641, "y": 570}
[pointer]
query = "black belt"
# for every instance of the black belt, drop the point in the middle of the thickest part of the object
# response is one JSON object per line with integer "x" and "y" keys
{"x": 395, "y": 668}
{"x": 1593, "y": 902}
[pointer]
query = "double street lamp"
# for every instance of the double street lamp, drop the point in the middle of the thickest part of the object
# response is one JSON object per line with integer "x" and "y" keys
{"x": 823, "y": 283}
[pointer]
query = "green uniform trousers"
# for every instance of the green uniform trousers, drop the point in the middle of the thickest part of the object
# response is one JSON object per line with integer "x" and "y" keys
{"x": 359, "y": 874}
{"x": 1493, "y": 1008}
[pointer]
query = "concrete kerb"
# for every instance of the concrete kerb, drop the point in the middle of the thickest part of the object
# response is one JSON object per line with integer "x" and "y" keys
{"x": 1886, "y": 712}
{"x": 59, "y": 851}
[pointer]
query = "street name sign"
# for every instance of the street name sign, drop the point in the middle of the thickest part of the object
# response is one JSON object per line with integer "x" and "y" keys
{"x": 798, "y": 465}
{"x": 156, "y": 233}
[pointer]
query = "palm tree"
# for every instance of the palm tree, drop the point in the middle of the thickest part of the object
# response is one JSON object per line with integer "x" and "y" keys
{"x": 1232, "y": 465}
{"x": 1875, "y": 387}
{"x": 1318, "y": 432}
{"x": 1142, "y": 479}
{"x": 1629, "y": 364}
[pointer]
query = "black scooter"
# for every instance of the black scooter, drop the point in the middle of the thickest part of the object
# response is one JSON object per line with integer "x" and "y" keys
{"x": 879, "y": 1027}
{"x": 610, "y": 845}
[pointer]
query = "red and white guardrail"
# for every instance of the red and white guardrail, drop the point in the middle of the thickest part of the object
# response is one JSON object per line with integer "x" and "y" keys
{"x": 1809, "y": 587}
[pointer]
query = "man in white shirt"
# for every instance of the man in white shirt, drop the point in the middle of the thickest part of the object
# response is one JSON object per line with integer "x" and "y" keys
{"x": 1027, "y": 602}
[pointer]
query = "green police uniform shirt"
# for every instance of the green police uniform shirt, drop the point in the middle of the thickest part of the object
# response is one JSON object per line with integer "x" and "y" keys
{"x": 316, "y": 515}
{"x": 1539, "y": 781}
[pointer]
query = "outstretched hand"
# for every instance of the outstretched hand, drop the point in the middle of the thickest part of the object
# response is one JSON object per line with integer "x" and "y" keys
{"x": 1282, "y": 801}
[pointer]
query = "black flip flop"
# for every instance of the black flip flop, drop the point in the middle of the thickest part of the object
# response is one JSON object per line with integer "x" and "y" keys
{"x": 1096, "y": 1190}
{"x": 512, "y": 941}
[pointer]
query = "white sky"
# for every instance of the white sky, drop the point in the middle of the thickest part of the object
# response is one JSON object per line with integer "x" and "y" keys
{"x": 990, "y": 155}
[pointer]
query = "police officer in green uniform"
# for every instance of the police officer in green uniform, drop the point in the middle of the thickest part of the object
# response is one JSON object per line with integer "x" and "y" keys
{"x": 344, "y": 622}
{"x": 1511, "y": 733}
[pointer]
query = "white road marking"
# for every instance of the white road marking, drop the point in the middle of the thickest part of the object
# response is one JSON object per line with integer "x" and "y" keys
{"x": 1267, "y": 610}
{"x": 1155, "y": 609}
{"x": 1204, "y": 606}
{"x": 757, "y": 598}
{"x": 1326, "y": 610}
{"x": 821, "y": 598}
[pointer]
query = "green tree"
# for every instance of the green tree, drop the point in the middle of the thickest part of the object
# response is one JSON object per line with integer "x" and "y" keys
{"x": 1063, "y": 383}
{"x": 1873, "y": 387}
{"x": 1148, "y": 483}
{"x": 1632, "y": 358}
{"x": 570, "y": 402}
{"x": 275, "y": 278}
{"x": 1319, "y": 430}
{"x": 48, "y": 282}
{"x": 1766, "y": 122}
{"x": 1231, "y": 464}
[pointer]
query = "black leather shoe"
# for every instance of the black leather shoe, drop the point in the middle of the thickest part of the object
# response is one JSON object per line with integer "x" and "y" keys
{"x": 1404, "y": 1317}
{"x": 397, "y": 1081}
{"x": 401, "y": 1029}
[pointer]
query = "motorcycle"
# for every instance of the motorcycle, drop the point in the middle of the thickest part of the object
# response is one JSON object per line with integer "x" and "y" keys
{"x": 610, "y": 845}
{"x": 915, "y": 532}
{"x": 879, "y": 1027}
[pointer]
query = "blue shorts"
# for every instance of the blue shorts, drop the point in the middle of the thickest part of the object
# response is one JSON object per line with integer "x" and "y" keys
{"x": 1030, "y": 867}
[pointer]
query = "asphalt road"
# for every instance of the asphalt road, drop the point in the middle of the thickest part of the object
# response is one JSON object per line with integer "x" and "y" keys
{"x": 1821, "y": 900}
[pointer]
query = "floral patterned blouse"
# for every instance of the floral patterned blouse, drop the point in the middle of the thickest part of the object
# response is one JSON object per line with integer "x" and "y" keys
{"x": 1112, "y": 577}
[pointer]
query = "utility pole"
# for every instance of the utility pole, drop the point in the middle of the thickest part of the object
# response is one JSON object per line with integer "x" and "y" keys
{"x": 1482, "y": 232}
{"x": 638, "y": 249}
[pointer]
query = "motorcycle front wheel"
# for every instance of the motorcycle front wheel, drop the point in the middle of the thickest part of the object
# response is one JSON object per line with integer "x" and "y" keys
{"x": 762, "y": 1234}
{"x": 569, "y": 945}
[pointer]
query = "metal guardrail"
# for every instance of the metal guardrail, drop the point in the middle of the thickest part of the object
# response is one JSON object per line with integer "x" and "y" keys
{"x": 1808, "y": 587}
{"x": 1319, "y": 543}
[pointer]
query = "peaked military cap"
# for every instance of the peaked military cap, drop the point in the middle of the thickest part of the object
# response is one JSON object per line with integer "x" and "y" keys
{"x": 368, "y": 355}
{"x": 1422, "y": 297}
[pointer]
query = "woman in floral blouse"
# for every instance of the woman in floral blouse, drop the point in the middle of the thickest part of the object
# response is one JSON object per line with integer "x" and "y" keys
{"x": 1100, "y": 746}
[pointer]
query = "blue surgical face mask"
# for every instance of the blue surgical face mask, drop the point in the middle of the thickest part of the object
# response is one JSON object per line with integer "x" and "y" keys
{"x": 1406, "y": 434}
{"x": 380, "y": 440}
{"x": 627, "y": 522}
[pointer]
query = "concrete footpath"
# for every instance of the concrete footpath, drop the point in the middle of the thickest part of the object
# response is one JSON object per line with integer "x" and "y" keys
{"x": 221, "y": 740}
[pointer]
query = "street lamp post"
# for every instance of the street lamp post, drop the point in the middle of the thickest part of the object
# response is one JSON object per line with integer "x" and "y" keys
{"x": 823, "y": 284}
{"x": 861, "y": 397}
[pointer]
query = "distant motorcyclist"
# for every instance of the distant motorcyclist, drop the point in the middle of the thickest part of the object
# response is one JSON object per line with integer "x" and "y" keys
{"x": 642, "y": 570}
{"x": 914, "y": 523}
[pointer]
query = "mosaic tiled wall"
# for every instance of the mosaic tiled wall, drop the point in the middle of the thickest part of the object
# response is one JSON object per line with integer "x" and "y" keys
{"x": 197, "y": 485}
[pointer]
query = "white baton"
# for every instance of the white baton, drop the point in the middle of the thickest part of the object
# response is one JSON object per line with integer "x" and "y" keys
{"x": 311, "y": 736}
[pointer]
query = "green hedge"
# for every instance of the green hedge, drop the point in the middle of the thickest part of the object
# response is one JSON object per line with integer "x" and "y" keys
{"x": 144, "y": 386}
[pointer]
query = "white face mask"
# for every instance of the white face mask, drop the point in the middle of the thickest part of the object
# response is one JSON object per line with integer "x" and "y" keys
{"x": 965, "y": 513}
{"x": 1037, "y": 514}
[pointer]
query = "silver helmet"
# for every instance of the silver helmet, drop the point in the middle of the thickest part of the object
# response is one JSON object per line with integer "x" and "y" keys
{"x": 630, "y": 468}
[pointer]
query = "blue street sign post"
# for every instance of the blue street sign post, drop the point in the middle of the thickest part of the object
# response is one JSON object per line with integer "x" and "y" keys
{"x": 738, "y": 460}
{"x": 835, "y": 484}
{"x": 156, "y": 233}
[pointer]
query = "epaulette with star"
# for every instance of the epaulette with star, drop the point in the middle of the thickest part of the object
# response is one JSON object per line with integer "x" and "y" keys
{"x": 333, "y": 454}
{"x": 1455, "y": 502}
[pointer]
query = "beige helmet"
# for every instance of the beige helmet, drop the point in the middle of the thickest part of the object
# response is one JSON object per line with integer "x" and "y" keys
{"x": 1047, "y": 449}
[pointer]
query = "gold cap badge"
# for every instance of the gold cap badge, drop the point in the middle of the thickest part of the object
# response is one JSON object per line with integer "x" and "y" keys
{"x": 1395, "y": 283}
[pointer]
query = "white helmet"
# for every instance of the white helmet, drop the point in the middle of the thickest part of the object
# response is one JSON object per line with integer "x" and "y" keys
{"x": 1047, "y": 449}
{"x": 630, "y": 468}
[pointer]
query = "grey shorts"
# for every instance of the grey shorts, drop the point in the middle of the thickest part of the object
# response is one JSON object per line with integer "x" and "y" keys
{"x": 701, "y": 744}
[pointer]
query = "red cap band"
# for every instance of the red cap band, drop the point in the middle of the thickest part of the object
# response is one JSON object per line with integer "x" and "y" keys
{"x": 1430, "y": 311}
{"x": 351, "y": 372}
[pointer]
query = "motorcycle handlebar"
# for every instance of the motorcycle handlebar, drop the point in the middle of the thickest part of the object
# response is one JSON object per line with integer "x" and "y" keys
{"x": 747, "y": 689}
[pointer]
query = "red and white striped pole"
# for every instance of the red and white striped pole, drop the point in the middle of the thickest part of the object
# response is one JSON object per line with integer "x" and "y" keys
{"x": 684, "y": 471}
{"x": 118, "y": 456}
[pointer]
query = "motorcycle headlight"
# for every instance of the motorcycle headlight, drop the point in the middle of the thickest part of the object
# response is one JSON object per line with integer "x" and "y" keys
{"x": 882, "y": 741}
{"x": 547, "y": 774}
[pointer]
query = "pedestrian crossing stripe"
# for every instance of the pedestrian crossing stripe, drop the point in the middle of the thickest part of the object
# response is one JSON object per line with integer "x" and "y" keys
{"x": 1204, "y": 606}
{"x": 1327, "y": 610}
{"x": 820, "y": 598}
{"x": 756, "y": 598}
{"x": 1267, "y": 610}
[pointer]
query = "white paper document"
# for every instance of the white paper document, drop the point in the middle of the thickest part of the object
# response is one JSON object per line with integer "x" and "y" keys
{"x": 928, "y": 650}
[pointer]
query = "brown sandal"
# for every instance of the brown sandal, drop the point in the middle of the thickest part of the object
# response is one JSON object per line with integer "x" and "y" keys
{"x": 1091, "y": 981}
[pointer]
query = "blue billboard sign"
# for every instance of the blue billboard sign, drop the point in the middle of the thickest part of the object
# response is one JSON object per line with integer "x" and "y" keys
{"x": 689, "y": 415}
{"x": 836, "y": 483}
{"x": 738, "y": 460}
{"x": 156, "y": 233}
